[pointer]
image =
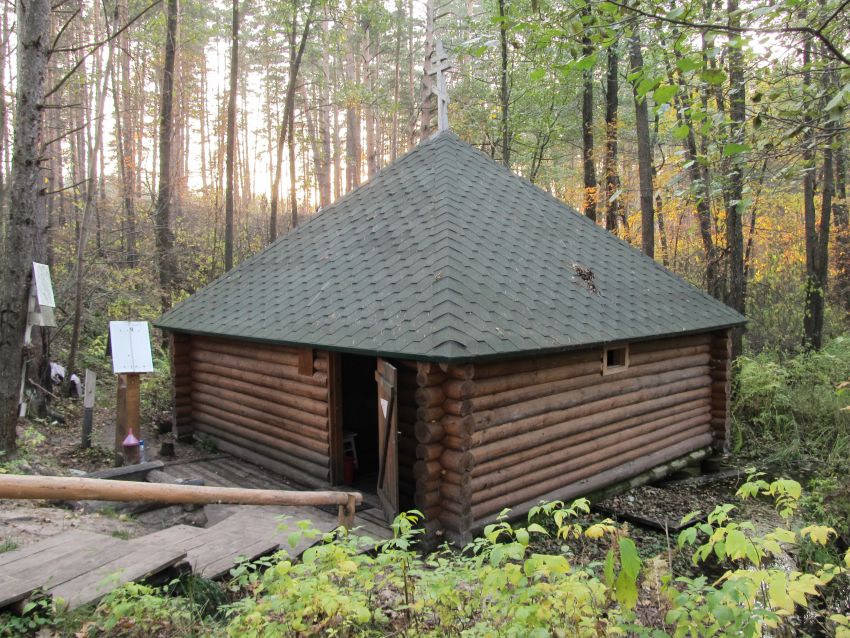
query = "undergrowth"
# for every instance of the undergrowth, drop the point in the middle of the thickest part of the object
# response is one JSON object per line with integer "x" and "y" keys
{"x": 794, "y": 411}
{"x": 499, "y": 586}
{"x": 797, "y": 403}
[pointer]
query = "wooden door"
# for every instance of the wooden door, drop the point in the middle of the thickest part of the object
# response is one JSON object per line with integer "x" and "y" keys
{"x": 387, "y": 380}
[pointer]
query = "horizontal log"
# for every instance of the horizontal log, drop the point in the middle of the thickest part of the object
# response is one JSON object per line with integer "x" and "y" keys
{"x": 427, "y": 469}
{"x": 654, "y": 356}
{"x": 14, "y": 486}
{"x": 263, "y": 405}
{"x": 459, "y": 389}
{"x": 428, "y": 431}
{"x": 423, "y": 485}
{"x": 572, "y": 447}
{"x": 429, "y": 397}
{"x": 597, "y": 478}
{"x": 456, "y": 493}
{"x": 456, "y": 442}
{"x": 591, "y": 404}
{"x": 496, "y": 385}
{"x": 639, "y": 347}
{"x": 428, "y": 451}
{"x": 561, "y": 473}
{"x": 299, "y": 468}
{"x": 458, "y": 509}
{"x": 515, "y": 366}
{"x": 200, "y": 398}
{"x": 458, "y": 370}
{"x": 555, "y": 433}
{"x": 266, "y": 381}
{"x": 434, "y": 413}
{"x": 259, "y": 367}
{"x": 307, "y": 460}
{"x": 283, "y": 355}
{"x": 553, "y": 389}
{"x": 456, "y": 460}
{"x": 312, "y": 448}
{"x": 260, "y": 459}
{"x": 457, "y": 425}
{"x": 427, "y": 499}
{"x": 306, "y": 404}
{"x": 433, "y": 380}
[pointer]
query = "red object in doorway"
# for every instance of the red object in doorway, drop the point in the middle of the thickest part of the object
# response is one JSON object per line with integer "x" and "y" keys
{"x": 348, "y": 466}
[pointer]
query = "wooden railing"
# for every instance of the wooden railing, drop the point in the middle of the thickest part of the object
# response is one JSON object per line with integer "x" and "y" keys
{"x": 14, "y": 486}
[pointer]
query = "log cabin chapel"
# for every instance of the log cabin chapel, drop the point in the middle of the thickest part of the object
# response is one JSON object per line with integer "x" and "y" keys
{"x": 464, "y": 338}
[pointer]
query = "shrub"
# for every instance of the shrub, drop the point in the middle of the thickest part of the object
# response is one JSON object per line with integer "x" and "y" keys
{"x": 796, "y": 407}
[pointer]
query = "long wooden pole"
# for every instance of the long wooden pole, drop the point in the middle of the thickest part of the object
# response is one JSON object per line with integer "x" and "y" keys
{"x": 73, "y": 489}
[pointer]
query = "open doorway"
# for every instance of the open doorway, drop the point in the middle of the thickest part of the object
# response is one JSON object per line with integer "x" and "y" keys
{"x": 360, "y": 421}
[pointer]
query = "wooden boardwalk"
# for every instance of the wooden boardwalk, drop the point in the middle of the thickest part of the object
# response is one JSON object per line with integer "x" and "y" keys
{"x": 79, "y": 567}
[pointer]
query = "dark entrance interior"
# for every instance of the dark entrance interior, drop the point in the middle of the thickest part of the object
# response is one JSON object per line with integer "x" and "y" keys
{"x": 360, "y": 417}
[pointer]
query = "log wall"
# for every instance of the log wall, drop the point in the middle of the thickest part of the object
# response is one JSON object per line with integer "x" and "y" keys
{"x": 259, "y": 401}
{"x": 514, "y": 431}
{"x": 181, "y": 377}
{"x": 721, "y": 360}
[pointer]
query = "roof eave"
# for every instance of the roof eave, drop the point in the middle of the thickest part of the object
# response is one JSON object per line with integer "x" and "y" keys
{"x": 517, "y": 354}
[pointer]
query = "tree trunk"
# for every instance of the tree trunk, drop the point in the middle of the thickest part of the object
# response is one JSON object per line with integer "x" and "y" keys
{"x": 88, "y": 212}
{"x": 293, "y": 174}
{"x": 841, "y": 251}
{"x": 352, "y": 127}
{"x": 590, "y": 187}
{"x": 645, "y": 162}
{"x": 295, "y": 57}
{"x": 816, "y": 233}
{"x": 166, "y": 259}
{"x": 124, "y": 121}
{"x": 735, "y": 208}
{"x": 504, "y": 87}
{"x": 26, "y": 195}
{"x": 231, "y": 138}
{"x": 613, "y": 201}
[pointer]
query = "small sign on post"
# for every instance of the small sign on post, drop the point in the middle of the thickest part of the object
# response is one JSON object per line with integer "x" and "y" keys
{"x": 40, "y": 307}
{"x": 41, "y": 301}
{"x": 130, "y": 347}
{"x": 88, "y": 408}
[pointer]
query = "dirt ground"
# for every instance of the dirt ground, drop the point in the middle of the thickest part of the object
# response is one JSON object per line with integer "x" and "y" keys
{"x": 50, "y": 447}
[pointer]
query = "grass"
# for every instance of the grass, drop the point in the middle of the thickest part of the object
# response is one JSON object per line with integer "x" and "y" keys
{"x": 8, "y": 545}
{"x": 123, "y": 534}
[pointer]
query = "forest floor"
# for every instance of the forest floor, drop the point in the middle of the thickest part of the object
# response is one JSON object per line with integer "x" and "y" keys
{"x": 53, "y": 448}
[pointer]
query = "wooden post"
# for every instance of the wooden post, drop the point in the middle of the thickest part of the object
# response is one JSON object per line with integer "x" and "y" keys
{"x": 120, "y": 418}
{"x": 347, "y": 510}
{"x": 127, "y": 413}
{"x": 88, "y": 408}
{"x": 133, "y": 399}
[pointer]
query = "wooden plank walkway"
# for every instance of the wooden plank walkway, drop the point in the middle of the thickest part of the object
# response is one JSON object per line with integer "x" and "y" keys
{"x": 78, "y": 567}
{"x": 228, "y": 471}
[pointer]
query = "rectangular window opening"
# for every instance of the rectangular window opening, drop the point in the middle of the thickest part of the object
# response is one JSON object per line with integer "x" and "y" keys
{"x": 615, "y": 359}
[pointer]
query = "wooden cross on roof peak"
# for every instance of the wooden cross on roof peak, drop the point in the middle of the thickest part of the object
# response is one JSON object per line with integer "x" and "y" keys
{"x": 440, "y": 64}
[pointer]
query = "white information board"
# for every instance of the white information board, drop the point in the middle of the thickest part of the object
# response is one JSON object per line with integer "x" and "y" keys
{"x": 43, "y": 284}
{"x": 130, "y": 346}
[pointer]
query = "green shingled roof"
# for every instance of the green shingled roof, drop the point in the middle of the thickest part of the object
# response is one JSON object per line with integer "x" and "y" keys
{"x": 447, "y": 255}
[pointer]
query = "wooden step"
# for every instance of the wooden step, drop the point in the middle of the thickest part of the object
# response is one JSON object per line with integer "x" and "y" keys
{"x": 142, "y": 558}
{"x": 60, "y": 559}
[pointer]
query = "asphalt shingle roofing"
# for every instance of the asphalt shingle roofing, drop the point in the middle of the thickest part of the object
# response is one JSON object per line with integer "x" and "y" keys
{"x": 447, "y": 255}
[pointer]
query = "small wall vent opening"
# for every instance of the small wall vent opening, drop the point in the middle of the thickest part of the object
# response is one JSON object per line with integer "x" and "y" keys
{"x": 615, "y": 359}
